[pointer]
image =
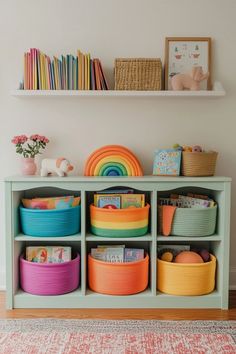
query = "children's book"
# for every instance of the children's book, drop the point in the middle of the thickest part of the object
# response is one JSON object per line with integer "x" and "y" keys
{"x": 97, "y": 76}
{"x": 133, "y": 254}
{"x": 88, "y": 71}
{"x": 48, "y": 254}
{"x": 118, "y": 191}
{"x": 92, "y": 78}
{"x": 132, "y": 200}
{"x": 110, "y": 246}
{"x": 109, "y": 202}
{"x": 108, "y": 254}
{"x": 103, "y": 76}
{"x": 167, "y": 162}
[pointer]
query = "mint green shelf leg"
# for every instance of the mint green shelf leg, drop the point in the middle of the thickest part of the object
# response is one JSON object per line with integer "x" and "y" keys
{"x": 83, "y": 243}
{"x": 9, "y": 245}
{"x": 154, "y": 241}
{"x": 226, "y": 245}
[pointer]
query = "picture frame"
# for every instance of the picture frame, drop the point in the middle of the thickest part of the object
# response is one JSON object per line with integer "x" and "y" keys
{"x": 182, "y": 53}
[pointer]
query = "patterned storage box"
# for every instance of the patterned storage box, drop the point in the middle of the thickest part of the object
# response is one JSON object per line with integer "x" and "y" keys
{"x": 129, "y": 222}
{"x": 49, "y": 278}
{"x": 118, "y": 278}
{"x": 55, "y": 222}
{"x": 186, "y": 279}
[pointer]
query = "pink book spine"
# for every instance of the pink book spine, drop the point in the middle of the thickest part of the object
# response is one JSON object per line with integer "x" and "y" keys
{"x": 31, "y": 69}
{"x": 35, "y": 70}
{"x": 49, "y": 76}
{"x": 28, "y": 71}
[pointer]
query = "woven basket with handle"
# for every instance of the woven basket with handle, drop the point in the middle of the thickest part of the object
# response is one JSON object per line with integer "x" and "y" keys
{"x": 138, "y": 74}
{"x": 196, "y": 164}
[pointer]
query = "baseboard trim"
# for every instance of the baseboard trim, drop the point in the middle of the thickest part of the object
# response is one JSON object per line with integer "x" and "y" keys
{"x": 232, "y": 279}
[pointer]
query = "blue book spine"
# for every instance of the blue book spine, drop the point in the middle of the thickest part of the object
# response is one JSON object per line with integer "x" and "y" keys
{"x": 77, "y": 73}
{"x": 53, "y": 75}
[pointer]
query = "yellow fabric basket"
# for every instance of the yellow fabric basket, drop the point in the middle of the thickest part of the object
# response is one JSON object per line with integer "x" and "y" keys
{"x": 186, "y": 279}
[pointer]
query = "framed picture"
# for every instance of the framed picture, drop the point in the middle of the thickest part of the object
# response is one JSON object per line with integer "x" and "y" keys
{"x": 183, "y": 53}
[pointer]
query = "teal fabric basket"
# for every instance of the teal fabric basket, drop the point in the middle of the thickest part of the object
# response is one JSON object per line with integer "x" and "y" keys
{"x": 194, "y": 222}
{"x": 54, "y": 222}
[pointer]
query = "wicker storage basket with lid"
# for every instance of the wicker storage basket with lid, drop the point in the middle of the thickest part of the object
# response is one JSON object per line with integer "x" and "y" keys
{"x": 138, "y": 74}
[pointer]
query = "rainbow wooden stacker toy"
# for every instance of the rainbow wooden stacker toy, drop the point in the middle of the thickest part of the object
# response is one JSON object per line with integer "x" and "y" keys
{"x": 113, "y": 160}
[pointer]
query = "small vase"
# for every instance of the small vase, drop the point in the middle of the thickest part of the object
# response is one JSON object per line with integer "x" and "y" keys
{"x": 28, "y": 166}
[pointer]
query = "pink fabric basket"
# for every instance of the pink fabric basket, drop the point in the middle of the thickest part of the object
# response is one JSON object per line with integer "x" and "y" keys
{"x": 49, "y": 279}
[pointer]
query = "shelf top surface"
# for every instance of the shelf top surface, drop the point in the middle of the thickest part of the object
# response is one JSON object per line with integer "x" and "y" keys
{"x": 217, "y": 91}
{"x": 92, "y": 179}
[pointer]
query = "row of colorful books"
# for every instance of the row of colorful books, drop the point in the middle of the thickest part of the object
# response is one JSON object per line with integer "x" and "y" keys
{"x": 188, "y": 201}
{"x": 48, "y": 254}
{"x": 119, "y": 199}
{"x": 117, "y": 253}
{"x": 68, "y": 72}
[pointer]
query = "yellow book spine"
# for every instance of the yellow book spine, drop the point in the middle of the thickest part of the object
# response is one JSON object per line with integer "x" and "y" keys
{"x": 79, "y": 70}
{"x": 41, "y": 70}
{"x": 46, "y": 72}
{"x": 88, "y": 57}
{"x": 82, "y": 71}
{"x": 85, "y": 72}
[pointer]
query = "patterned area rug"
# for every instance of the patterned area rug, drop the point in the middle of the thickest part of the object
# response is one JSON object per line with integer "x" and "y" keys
{"x": 55, "y": 336}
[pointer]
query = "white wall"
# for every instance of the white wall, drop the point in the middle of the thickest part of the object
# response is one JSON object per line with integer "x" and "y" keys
{"x": 110, "y": 29}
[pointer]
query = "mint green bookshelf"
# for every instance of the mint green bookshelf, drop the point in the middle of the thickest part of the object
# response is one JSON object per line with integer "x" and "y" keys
{"x": 19, "y": 186}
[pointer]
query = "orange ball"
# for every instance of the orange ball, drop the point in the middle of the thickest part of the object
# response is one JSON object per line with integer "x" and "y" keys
{"x": 188, "y": 257}
{"x": 167, "y": 257}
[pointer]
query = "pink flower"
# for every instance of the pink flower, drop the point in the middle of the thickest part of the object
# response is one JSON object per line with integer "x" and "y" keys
{"x": 34, "y": 137}
{"x": 44, "y": 139}
{"x": 33, "y": 147}
{"x": 19, "y": 139}
{"x": 41, "y": 138}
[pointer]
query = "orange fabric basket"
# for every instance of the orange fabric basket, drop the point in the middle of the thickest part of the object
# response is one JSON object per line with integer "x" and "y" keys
{"x": 118, "y": 278}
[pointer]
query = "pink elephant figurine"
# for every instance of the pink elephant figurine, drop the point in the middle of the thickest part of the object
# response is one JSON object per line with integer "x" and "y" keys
{"x": 190, "y": 81}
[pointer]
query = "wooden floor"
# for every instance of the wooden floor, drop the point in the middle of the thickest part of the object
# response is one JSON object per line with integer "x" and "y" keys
{"x": 148, "y": 314}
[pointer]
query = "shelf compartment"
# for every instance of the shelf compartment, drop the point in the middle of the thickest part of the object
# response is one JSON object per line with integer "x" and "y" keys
{"x": 186, "y": 279}
{"x": 22, "y": 237}
{"x": 215, "y": 237}
{"x": 94, "y": 300}
{"x": 127, "y": 278}
{"x": 217, "y": 91}
{"x": 52, "y": 278}
{"x": 69, "y": 300}
{"x": 91, "y": 237}
{"x": 118, "y": 223}
{"x": 212, "y": 300}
